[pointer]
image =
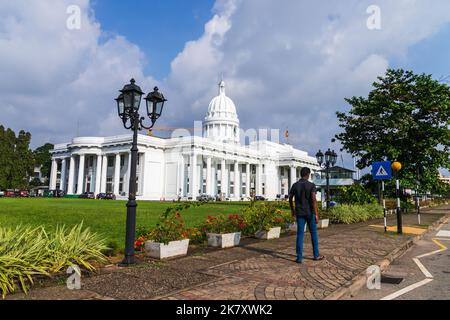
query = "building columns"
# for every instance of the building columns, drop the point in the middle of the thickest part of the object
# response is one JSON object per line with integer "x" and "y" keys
{"x": 292, "y": 176}
{"x": 71, "y": 175}
{"x": 104, "y": 173}
{"x": 182, "y": 180}
{"x": 223, "y": 184}
{"x": 193, "y": 179}
{"x": 53, "y": 175}
{"x": 80, "y": 185}
{"x": 259, "y": 180}
{"x": 209, "y": 176}
{"x": 127, "y": 180}
{"x": 117, "y": 174}
{"x": 62, "y": 185}
{"x": 98, "y": 174}
{"x": 237, "y": 181}
{"x": 247, "y": 178}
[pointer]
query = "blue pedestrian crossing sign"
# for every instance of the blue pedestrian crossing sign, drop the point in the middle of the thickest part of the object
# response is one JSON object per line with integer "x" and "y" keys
{"x": 381, "y": 170}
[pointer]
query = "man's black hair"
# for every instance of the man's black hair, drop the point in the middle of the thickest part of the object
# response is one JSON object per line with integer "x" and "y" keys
{"x": 305, "y": 172}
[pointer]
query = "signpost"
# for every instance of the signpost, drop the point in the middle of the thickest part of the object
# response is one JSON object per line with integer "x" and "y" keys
{"x": 397, "y": 166}
{"x": 382, "y": 171}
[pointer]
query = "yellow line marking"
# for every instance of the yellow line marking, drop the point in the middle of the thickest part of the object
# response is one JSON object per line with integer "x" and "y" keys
{"x": 406, "y": 230}
{"x": 440, "y": 245}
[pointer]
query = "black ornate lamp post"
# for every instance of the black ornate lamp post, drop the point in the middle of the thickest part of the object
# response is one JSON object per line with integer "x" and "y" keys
{"x": 128, "y": 104}
{"x": 328, "y": 160}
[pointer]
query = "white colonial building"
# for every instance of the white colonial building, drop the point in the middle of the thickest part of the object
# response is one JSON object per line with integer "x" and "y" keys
{"x": 214, "y": 162}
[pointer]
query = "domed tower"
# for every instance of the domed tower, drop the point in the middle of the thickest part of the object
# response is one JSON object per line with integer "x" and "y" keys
{"x": 221, "y": 122}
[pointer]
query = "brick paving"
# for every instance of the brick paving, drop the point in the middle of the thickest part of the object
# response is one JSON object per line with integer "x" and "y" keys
{"x": 257, "y": 270}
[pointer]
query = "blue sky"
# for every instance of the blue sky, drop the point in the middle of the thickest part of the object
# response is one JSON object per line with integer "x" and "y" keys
{"x": 159, "y": 27}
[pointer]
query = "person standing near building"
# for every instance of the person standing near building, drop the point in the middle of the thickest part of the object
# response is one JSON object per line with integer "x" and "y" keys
{"x": 306, "y": 211}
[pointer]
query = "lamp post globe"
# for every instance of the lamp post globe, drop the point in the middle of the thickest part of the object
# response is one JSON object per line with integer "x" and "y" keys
{"x": 319, "y": 157}
{"x": 132, "y": 95}
{"x": 328, "y": 156}
{"x": 155, "y": 104}
{"x": 128, "y": 104}
{"x": 121, "y": 107}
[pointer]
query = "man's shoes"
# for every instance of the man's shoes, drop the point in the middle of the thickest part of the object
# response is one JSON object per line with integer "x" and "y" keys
{"x": 319, "y": 258}
{"x": 299, "y": 261}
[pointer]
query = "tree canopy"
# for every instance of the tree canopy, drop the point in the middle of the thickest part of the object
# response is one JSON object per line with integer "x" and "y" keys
{"x": 43, "y": 159}
{"x": 16, "y": 159}
{"x": 406, "y": 118}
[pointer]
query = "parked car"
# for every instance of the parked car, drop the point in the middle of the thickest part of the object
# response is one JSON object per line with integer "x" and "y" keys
{"x": 87, "y": 195}
{"x": 10, "y": 193}
{"x": 2, "y": 194}
{"x": 23, "y": 194}
{"x": 54, "y": 194}
{"x": 205, "y": 198}
{"x": 260, "y": 198}
{"x": 106, "y": 196}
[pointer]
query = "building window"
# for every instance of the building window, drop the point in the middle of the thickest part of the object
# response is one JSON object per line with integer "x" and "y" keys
{"x": 110, "y": 162}
{"x": 121, "y": 185}
{"x": 109, "y": 184}
{"x": 282, "y": 171}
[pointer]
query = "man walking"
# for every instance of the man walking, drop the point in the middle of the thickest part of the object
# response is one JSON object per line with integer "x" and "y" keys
{"x": 306, "y": 212}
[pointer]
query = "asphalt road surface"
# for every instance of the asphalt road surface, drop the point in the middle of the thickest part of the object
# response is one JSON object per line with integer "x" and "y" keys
{"x": 424, "y": 268}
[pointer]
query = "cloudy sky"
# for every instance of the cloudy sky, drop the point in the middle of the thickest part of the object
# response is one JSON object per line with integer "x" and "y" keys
{"x": 287, "y": 63}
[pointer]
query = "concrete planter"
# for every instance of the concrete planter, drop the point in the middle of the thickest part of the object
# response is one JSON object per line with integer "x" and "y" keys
{"x": 323, "y": 224}
{"x": 293, "y": 227}
{"x": 227, "y": 240}
{"x": 162, "y": 251}
{"x": 273, "y": 233}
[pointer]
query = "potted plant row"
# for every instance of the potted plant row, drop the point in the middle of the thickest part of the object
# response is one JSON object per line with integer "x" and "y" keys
{"x": 265, "y": 221}
{"x": 223, "y": 231}
{"x": 168, "y": 239}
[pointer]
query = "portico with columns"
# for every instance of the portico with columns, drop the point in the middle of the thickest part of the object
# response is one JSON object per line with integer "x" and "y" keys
{"x": 214, "y": 163}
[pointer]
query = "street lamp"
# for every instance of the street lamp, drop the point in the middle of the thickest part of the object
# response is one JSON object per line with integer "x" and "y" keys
{"x": 128, "y": 104}
{"x": 328, "y": 160}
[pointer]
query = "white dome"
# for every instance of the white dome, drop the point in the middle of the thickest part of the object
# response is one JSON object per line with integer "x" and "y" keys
{"x": 222, "y": 107}
{"x": 222, "y": 122}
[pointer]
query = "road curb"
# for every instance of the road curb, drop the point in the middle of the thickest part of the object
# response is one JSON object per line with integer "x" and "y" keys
{"x": 351, "y": 288}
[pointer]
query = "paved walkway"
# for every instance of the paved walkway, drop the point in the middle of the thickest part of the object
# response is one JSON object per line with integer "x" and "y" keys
{"x": 254, "y": 271}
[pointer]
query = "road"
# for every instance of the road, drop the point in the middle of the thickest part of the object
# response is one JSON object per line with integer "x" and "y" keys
{"x": 424, "y": 268}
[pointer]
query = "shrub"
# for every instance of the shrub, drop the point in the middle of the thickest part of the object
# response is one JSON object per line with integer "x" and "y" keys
{"x": 27, "y": 252}
{"x": 170, "y": 227}
{"x": 348, "y": 214}
{"x": 222, "y": 224}
{"x": 263, "y": 217}
{"x": 355, "y": 195}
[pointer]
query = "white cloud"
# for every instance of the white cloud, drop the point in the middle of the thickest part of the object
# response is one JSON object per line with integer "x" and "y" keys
{"x": 286, "y": 63}
{"x": 292, "y": 63}
{"x": 55, "y": 79}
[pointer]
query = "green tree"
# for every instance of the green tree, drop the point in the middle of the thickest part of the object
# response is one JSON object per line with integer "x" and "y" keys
{"x": 23, "y": 161}
{"x": 355, "y": 194}
{"x": 43, "y": 159}
{"x": 406, "y": 117}
{"x": 16, "y": 159}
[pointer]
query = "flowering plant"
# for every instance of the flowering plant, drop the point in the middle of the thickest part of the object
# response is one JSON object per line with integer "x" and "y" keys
{"x": 263, "y": 217}
{"x": 223, "y": 224}
{"x": 169, "y": 228}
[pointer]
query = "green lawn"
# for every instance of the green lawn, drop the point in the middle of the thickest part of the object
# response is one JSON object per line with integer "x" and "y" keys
{"x": 104, "y": 217}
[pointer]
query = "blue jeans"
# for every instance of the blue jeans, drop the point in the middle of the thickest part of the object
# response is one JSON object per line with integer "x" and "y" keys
{"x": 301, "y": 222}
